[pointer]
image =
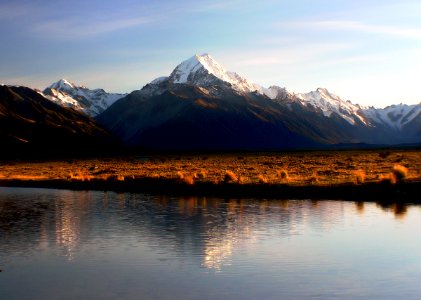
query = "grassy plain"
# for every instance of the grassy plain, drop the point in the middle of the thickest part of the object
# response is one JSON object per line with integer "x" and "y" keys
{"x": 293, "y": 168}
{"x": 321, "y": 174}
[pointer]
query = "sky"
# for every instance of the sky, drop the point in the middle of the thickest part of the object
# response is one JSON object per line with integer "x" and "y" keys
{"x": 367, "y": 51}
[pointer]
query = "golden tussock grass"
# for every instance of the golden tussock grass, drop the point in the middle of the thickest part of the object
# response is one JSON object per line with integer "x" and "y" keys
{"x": 314, "y": 178}
{"x": 359, "y": 176}
{"x": 398, "y": 175}
{"x": 333, "y": 167}
{"x": 400, "y": 172}
{"x": 283, "y": 175}
{"x": 188, "y": 179}
{"x": 387, "y": 178}
{"x": 262, "y": 179}
{"x": 80, "y": 175}
{"x": 230, "y": 176}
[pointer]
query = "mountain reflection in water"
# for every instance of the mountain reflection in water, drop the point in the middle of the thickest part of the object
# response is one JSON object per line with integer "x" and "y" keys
{"x": 272, "y": 240}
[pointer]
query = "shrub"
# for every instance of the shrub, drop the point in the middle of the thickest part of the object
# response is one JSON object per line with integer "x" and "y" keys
{"x": 262, "y": 179}
{"x": 314, "y": 179}
{"x": 230, "y": 176}
{"x": 399, "y": 172}
{"x": 202, "y": 174}
{"x": 81, "y": 175}
{"x": 359, "y": 176}
{"x": 185, "y": 178}
{"x": 283, "y": 174}
{"x": 388, "y": 178}
{"x": 188, "y": 179}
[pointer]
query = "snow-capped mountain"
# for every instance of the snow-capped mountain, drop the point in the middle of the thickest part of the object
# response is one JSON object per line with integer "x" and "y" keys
{"x": 202, "y": 105}
{"x": 91, "y": 102}
{"x": 329, "y": 103}
{"x": 394, "y": 116}
{"x": 205, "y": 71}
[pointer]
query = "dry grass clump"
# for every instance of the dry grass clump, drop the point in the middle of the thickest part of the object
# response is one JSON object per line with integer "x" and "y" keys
{"x": 188, "y": 179}
{"x": 398, "y": 175}
{"x": 283, "y": 174}
{"x": 388, "y": 178}
{"x": 202, "y": 174}
{"x": 80, "y": 175}
{"x": 314, "y": 179}
{"x": 230, "y": 176}
{"x": 262, "y": 179}
{"x": 399, "y": 172}
{"x": 359, "y": 176}
{"x": 120, "y": 178}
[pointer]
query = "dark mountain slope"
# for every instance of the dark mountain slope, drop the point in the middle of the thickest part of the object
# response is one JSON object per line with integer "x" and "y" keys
{"x": 32, "y": 125}
{"x": 188, "y": 117}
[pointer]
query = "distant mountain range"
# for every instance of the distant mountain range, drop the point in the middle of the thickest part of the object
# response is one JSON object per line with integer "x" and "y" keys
{"x": 200, "y": 105}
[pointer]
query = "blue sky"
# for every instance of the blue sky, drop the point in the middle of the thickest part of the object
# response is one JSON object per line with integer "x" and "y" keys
{"x": 366, "y": 51}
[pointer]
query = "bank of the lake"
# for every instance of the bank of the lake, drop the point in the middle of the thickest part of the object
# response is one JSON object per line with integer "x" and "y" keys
{"x": 385, "y": 191}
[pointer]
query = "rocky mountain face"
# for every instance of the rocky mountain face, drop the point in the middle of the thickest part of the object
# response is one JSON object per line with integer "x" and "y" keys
{"x": 31, "y": 125}
{"x": 91, "y": 102}
{"x": 200, "y": 105}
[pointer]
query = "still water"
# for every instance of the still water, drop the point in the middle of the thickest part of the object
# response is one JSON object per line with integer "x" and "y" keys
{"x": 59, "y": 244}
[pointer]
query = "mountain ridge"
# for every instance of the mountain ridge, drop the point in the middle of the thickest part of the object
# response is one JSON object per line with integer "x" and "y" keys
{"x": 199, "y": 89}
{"x": 91, "y": 102}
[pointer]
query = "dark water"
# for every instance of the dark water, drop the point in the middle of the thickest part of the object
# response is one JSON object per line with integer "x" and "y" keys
{"x": 57, "y": 244}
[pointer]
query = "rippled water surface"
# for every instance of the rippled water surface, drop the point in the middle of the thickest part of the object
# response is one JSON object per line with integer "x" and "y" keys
{"x": 57, "y": 244}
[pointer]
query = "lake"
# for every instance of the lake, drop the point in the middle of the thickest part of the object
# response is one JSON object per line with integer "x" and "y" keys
{"x": 61, "y": 244}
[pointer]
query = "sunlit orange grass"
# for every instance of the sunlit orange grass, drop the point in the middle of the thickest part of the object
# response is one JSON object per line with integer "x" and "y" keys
{"x": 27, "y": 177}
{"x": 344, "y": 167}
{"x": 262, "y": 179}
{"x": 359, "y": 176}
{"x": 188, "y": 179}
{"x": 283, "y": 175}
{"x": 230, "y": 176}
{"x": 81, "y": 175}
{"x": 399, "y": 172}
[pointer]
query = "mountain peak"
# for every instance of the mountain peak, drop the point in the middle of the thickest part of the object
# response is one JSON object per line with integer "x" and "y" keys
{"x": 68, "y": 94}
{"x": 61, "y": 84}
{"x": 203, "y": 70}
{"x": 182, "y": 72}
{"x": 322, "y": 90}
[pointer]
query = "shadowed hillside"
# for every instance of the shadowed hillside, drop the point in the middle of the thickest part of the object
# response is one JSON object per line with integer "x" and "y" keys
{"x": 31, "y": 125}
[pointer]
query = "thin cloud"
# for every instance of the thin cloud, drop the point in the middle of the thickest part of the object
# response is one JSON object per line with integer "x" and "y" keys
{"x": 11, "y": 11}
{"x": 259, "y": 61}
{"x": 394, "y": 31}
{"x": 76, "y": 28}
{"x": 289, "y": 55}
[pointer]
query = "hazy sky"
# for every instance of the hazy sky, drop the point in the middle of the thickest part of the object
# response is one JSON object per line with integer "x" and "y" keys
{"x": 366, "y": 51}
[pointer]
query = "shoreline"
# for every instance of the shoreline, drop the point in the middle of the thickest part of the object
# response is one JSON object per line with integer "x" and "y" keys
{"x": 382, "y": 192}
